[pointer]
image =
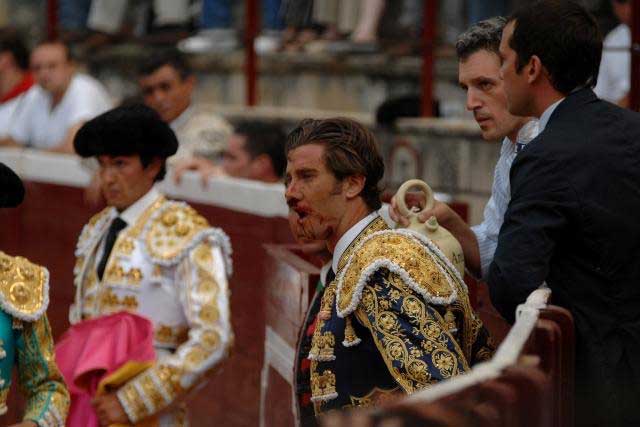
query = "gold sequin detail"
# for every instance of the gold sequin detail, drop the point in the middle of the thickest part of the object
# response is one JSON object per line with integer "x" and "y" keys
{"x": 209, "y": 313}
{"x": 323, "y": 385}
{"x": 22, "y": 284}
{"x": 399, "y": 250}
{"x": 195, "y": 357}
{"x": 174, "y": 336}
{"x": 173, "y": 230}
{"x": 152, "y": 392}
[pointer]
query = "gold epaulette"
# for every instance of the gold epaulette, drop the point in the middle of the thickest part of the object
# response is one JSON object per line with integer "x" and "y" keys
{"x": 175, "y": 229}
{"x": 415, "y": 259}
{"x": 24, "y": 288}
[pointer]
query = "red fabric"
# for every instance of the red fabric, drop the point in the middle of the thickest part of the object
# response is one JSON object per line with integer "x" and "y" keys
{"x": 23, "y": 86}
{"x": 92, "y": 349}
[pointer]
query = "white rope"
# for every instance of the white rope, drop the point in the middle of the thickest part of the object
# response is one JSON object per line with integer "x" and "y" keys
{"x": 507, "y": 354}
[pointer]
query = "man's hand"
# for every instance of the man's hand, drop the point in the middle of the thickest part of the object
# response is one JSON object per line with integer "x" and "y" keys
{"x": 444, "y": 214}
{"x": 27, "y": 423}
{"x": 109, "y": 410}
{"x": 205, "y": 167}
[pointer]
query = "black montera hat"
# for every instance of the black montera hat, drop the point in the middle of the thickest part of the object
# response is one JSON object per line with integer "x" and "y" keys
{"x": 11, "y": 188}
{"x": 126, "y": 130}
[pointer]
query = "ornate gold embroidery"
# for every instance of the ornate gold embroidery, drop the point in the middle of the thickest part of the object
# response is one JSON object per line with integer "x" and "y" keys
{"x": 322, "y": 345}
{"x": 326, "y": 304}
{"x": 195, "y": 357}
{"x": 110, "y": 300}
{"x": 170, "y": 377}
{"x": 210, "y": 339}
{"x": 173, "y": 230}
{"x": 209, "y": 313}
{"x": 402, "y": 251}
{"x": 152, "y": 393}
{"x": 125, "y": 245}
{"x": 350, "y": 337}
{"x": 116, "y": 274}
{"x": 171, "y": 335}
{"x": 445, "y": 362}
{"x": 135, "y": 401}
{"x": 377, "y": 224}
{"x": 208, "y": 286}
{"x": 323, "y": 386}
{"x": 22, "y": 285}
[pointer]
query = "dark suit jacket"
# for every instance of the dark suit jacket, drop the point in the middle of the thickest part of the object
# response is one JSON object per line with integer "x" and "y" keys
{"x": 574, "y": 222}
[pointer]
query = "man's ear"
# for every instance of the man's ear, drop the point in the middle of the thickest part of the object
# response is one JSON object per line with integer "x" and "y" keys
{"x": 153, "y": 168}
{"x": 353, "y": 185}
{"x": 534, "y": 69}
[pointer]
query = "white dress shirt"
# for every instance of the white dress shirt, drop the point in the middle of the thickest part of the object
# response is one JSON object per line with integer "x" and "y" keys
{"x": 487, "y": 231}
{"x": 614, "y": 79}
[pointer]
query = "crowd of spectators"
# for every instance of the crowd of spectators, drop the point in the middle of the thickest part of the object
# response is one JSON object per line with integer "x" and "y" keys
{"x": 45, "y": 99}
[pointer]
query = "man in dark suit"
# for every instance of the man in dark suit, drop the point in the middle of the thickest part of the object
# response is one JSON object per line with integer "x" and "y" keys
{"x": 575, "y": 197}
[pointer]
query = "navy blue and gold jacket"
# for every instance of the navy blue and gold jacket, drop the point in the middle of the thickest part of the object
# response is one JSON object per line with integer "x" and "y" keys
{"x": 396, "y": 319}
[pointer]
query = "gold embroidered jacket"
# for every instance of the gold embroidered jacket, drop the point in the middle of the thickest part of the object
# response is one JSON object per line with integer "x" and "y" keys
{"x": 396, "y": 319}
{"x": 26, "y": 342}
{"x": 171, "y": 267}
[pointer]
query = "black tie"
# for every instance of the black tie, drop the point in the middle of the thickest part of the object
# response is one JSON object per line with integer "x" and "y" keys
{"x": 116, "y": 227}
{"x": 330, "y": 277}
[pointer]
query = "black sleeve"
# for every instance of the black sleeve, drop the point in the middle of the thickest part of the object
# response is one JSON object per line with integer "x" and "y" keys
{"x": 537, "y": 216}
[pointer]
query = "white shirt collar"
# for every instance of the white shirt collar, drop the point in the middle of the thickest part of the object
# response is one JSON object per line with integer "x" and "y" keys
{"x": 179, "y": 121}
{"x": 349, "y": 237}
{"x": 544, "y": 118}
{"x": 133, "y": 212}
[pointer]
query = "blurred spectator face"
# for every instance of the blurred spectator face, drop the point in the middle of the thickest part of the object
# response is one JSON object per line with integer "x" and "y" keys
{"x": 167, "y": 92}
{"x": 239, "y": 163}
{"x": 622, "y": 10}
{"x": 516, "y": 85}
{"x": 315, "y": 197}
{"x": 124, "y": 180}
{"x": 52, "y": 67}
{"x": 479, "y": 76}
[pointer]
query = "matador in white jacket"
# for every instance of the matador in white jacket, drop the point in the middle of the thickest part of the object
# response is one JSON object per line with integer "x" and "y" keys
{"x": 155, "y": 257}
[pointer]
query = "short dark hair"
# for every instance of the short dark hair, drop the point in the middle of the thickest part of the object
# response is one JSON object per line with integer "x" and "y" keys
{"x": 485, "y": 35}
{"x": 68, "y": 54}
{"x": 350, "y": 149}
{"x": 171, "y": 57}
{"x": 10, "y": 41}
{"x": 566, "y": 38}
{"x": 264, "y": 138}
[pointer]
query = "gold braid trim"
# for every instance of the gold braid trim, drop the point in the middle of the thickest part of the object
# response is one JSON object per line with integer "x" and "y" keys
{"x": 24, "y": 288}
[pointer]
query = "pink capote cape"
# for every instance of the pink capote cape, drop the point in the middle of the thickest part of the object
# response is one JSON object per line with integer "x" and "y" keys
{"x": 93, "y": 349}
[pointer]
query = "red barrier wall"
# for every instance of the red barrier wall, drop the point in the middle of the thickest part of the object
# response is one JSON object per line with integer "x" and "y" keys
{"x": 45, "y": 229}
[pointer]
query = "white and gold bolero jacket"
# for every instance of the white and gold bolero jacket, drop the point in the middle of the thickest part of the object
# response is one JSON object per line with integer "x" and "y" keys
{"x": 171, "y": 267}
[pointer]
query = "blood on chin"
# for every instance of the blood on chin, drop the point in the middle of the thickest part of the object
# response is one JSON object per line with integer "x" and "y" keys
{"x": 314, "y": 229}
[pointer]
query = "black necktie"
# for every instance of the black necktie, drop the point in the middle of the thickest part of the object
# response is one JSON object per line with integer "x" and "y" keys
{"x": 330, "y": 277}
{"x": 116, "y": 227}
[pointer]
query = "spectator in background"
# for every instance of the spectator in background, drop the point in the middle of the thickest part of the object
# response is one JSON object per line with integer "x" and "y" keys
{"x": 16, "y": 82}
{"x": 485, "y": 9}
{"x": 614, "y": 79}
{"x": 167, "y": 83}
{"x": 217, "y": 32}
{"x": 255, "y": 151}
{"x": 62, "y": 102}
